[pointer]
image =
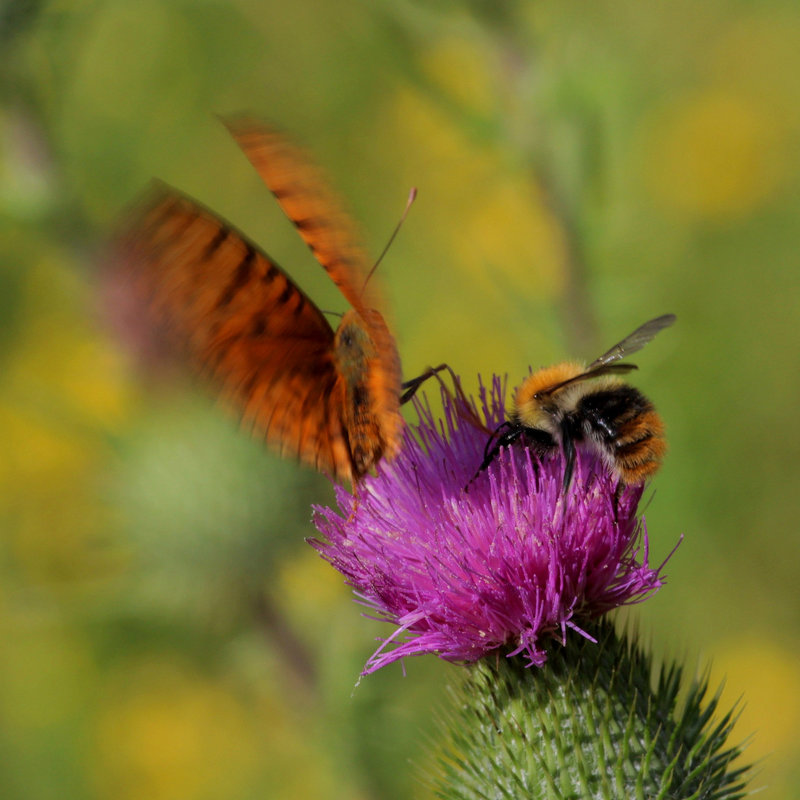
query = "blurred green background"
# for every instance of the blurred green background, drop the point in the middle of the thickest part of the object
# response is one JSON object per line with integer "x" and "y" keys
{"x": 582, "y": 167}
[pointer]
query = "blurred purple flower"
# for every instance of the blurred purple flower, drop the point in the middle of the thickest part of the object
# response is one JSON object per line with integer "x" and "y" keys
{"x": 510, "y": 563}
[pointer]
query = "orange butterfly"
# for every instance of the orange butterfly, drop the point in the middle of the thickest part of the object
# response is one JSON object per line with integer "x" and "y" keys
{"x": 332, "y": 399}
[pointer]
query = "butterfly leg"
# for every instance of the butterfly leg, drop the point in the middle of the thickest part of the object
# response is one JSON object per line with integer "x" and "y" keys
{"x": 410, "y": 387}
{"x": 354, "y": 507}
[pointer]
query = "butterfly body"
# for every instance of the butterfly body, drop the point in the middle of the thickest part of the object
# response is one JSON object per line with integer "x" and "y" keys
{"x": 370, "y": 373}
{"x": 329, "y": 398}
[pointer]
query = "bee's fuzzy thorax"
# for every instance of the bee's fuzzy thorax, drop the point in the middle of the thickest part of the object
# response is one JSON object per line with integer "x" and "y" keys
{"x": 534, "y": 407}
{"x": 546, "y": 377}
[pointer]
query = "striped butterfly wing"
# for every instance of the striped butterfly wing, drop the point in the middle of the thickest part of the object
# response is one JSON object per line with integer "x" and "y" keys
{"x": 370, "y": 367}
{"x": 245, "y": 322}
{"x": 302, "y": 191}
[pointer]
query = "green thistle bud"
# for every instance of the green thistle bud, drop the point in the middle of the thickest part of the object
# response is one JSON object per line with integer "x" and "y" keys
{"x": 591, "y": 723}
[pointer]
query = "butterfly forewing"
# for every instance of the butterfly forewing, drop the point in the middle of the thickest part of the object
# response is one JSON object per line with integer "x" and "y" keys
{"x": 245, "y": 322}
{"x": 366, "y": 358}
{"x": 303, "y": 193}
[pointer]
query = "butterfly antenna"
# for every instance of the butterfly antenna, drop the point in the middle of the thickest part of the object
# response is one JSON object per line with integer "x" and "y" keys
{"x": 412, "y": 196}
{"x": 334, "y": 313}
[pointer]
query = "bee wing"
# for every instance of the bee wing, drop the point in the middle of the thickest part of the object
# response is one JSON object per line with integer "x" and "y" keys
{"x": 633, "y": 342}
{"x": 315, "y": 210}
{"x": 244, "y": 321}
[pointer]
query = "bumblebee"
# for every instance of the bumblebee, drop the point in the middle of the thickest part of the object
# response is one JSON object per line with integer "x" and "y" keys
{"x": 559, "y": 407}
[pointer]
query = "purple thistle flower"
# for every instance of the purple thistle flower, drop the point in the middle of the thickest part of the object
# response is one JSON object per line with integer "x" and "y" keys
{"x": 509, "y": 563}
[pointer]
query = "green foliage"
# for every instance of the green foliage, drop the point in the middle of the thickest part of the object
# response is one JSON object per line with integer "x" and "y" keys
{"x": 589, "y": 724}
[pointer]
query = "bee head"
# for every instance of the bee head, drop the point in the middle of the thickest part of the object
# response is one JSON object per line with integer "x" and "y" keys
{"x": 535, "y": 404}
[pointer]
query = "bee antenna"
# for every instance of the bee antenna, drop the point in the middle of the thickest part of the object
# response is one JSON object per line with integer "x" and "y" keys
{"x": 334, "y": 313}
{"x": 412, "y": 196}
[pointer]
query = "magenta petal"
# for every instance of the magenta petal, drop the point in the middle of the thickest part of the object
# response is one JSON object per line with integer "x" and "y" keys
{"x": 507, "y": 564}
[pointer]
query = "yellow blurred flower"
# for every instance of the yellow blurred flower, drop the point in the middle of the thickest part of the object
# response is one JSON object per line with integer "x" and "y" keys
{"x": 500, "y": 231}
{"x": 512, "y": 234}
{"x": 166, "y": 733}
{"x": 759, "y": 55}
{"x": 64, "y": 361}
{"x": 765, "y": 677}
{"x": 712, "y": 154}
{"x": 461, "y": 67}
{"x": 64, "y": 391}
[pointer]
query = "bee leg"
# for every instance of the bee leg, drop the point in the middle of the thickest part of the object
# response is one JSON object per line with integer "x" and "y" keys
{"x": 617, "y": 494}
{"x": 490, "y": 441}
{"x": 412, "y": 385}
{"x": 568, "y": 446}
{"x": 509, "y": 437}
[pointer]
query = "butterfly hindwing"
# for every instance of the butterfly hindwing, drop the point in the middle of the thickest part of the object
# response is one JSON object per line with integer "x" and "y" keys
{"x": 246, "y": 324}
